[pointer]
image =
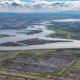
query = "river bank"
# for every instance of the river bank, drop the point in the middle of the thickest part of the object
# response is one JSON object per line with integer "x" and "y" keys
{"x": 65, "y": 43}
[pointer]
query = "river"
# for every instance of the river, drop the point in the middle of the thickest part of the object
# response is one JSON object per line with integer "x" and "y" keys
{"x": 41, "y": 35}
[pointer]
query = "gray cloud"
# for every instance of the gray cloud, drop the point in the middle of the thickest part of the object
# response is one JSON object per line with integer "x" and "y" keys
{"x": 18, "y": 6}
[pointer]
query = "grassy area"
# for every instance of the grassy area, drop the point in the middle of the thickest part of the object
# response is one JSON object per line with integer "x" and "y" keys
{"x": 69, "y": 68}
{"x": 60, "y": 71}
{"x": 4, "y": 54}
{"x": 3, "y": 35}
{"x": 8, "y": 54}
{"x": 62, "y": 34}
{"x": 41, "y": 50}
{"x": 65, "y": 32}
{"x": 16, "y": 74}
{"x": 45, "y": 74}
{"x": 51, "y": 50}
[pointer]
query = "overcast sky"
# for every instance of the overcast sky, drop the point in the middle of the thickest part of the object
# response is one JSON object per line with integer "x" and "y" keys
{"x": 44, "y": 5}
{"x": 54, "y": 0}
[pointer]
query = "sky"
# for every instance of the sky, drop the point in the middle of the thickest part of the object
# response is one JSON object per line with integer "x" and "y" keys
{"x": 41, "y": 6}
{"x": 51, "y": 0}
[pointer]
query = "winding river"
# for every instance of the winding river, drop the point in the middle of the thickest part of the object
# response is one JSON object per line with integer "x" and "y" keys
{"x": 41, "y": 35}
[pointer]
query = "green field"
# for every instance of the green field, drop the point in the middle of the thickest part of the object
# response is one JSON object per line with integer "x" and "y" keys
{"x": 59, "y": 72}
{"x": 3, "y": 35}
{"x": 65, "y": 32}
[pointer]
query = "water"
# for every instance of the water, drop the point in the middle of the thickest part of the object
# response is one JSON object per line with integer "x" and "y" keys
{"x": 39, "y": 21}
{"x": 41, "y": 35}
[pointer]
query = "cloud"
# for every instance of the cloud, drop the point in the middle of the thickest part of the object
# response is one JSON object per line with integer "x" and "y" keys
{"x": 38, "y": 5}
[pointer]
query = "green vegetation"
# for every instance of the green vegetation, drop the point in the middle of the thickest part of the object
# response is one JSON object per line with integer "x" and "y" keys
{"x": 16, "y": 74}
{"x": 45, "y": 74}
{"x": 65, "y": 32}
{"x": 3, "y": 55}
{"x": 71, "y": 67}
{"x": 62, "y": 34}
{"x": 60, "y": 72}
{"x": 6, "y": 55}
{"x": 41, "y": 51}
{"x": 3, "y": 35}
{"x": 30, "y": 51}
{"x": 50, "y": 50}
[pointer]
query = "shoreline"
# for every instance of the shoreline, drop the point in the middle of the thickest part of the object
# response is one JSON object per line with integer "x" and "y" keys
{"x": 41, "y": 35}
